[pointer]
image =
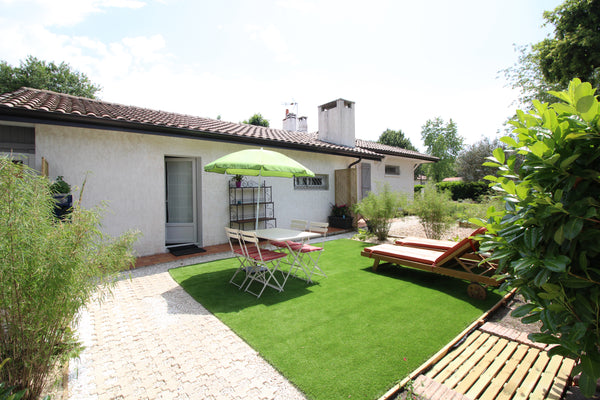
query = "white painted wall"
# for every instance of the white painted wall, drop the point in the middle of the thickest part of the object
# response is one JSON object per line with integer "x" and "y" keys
{"x": 403, "y": 183}
{"x": 126, "y": 170}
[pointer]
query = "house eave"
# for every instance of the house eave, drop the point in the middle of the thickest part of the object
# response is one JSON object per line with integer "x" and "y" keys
{"x": 83, "y": 121}
{"x": 424, "y": 157}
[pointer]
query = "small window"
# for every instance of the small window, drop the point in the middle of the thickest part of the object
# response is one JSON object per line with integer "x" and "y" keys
{"x": 317, "y": 182}
{"x": 392, "y": 170}
{"x": 17, "y": 139}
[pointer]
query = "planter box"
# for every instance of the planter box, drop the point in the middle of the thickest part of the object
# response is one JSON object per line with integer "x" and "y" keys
{"x": 340, "y": 222}
{"x": 63, "y": 206}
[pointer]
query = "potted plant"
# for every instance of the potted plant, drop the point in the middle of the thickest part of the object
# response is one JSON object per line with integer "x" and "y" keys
{"x": 61, "y": 191}
{"x": 340, "y": 217}
{"x": 238, "y": 180}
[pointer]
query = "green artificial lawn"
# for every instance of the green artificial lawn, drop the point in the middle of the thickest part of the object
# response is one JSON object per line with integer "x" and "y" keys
{"x": 353, "y": 334}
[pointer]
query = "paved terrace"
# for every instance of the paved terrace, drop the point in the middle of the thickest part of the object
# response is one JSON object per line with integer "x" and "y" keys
{"x": 151, "y": 340}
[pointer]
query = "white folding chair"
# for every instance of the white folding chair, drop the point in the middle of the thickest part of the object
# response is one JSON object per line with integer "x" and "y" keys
{"x": 298, "y": 224}
{"x": 309, "y": 255}
{"x": 265, "y": 264}
{"x": 238, "y": 250}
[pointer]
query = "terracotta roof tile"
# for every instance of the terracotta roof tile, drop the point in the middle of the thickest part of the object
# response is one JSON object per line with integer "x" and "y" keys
{"x": 392, "y": 150}
{"x": 66, "y": 108}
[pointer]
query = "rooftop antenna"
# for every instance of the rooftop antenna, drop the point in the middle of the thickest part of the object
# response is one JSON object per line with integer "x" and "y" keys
{"x": 294, "y": 103}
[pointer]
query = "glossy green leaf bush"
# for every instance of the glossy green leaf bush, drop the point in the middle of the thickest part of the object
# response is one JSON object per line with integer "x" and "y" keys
{"x": 547, "y": 236}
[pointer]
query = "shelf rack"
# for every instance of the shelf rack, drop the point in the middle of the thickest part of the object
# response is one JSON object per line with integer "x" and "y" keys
{"x": 242, "y": 206}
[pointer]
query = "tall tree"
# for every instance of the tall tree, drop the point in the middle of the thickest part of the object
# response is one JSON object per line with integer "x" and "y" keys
{"x": 526, "y": 76}
{"x": 40, "y": 74}
{"x": 469, "y": 163}
{"x": 258, "y": 120}
{"x": 396, "y": 138}
{"x": 442, "y": 141}
{"x": 574, "y": 52}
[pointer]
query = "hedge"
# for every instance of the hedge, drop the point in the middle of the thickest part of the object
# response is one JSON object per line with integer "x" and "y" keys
{"x": 462, "y": 190}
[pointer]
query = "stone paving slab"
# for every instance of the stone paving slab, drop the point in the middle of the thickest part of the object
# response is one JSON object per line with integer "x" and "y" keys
{"x": 151, "y": 340}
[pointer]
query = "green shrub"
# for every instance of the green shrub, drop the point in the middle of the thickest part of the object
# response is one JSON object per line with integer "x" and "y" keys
{"x": 340, "y": 211}
{"x": 462, "y": 190}
{"x": 546, "y": 236}
{"x": 378, "y": 210}
{"x": 465, "y": 190}
{"x": 48, "y": 270}
{"x": 469, "y": 209}
{"x": 363, "y": 234}
{"x": 435, "y": 210}
{"x": 60, "y": 186}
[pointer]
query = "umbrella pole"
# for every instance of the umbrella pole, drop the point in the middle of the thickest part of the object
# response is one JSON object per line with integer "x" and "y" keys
{"x": 257, "y": 201}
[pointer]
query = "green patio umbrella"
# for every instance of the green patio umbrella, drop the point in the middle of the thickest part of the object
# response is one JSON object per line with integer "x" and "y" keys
{"x": 258, "y": 162}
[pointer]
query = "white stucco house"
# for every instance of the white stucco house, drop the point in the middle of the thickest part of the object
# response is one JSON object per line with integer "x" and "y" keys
{"x": 147, "y": 165}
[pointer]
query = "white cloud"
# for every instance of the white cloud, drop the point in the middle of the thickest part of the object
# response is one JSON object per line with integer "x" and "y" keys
{"x": 65, "y": 12}
{"x": 272, "y": 38}
{"x": 305, "y": 6}
{"x": 138, "y": 68}
{"x": 146, "y": 49}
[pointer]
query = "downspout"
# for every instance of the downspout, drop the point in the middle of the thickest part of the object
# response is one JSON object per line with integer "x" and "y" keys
{"x": 355, "y": 162}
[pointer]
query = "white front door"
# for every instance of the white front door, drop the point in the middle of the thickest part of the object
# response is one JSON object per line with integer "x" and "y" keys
{"x": 180, "y": 200}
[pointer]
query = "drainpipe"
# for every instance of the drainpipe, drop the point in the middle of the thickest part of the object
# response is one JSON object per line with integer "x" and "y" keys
{"x": 355, "y": 162}
{"x": 350, "y": 166}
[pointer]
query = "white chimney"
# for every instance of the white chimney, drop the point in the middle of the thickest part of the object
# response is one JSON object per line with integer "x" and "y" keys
{"x": 336, "y": 122}
{"x": 302, "y": 124}
{"x": 289, "y": 122}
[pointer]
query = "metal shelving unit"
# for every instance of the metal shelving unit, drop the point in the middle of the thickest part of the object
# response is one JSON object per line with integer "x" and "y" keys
{"x": 242, "y": 206}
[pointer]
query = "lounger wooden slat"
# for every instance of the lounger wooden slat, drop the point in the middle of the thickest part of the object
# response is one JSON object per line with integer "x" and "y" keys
{"x": 480, "y": 367}
{"x": 469, "y": 364}
{"x": 532, "y": 377}
{"x": 486, "y": 366}
{"x": 547, "y": 379}
{"x": 483, "y": 374}
{"x": 519, "y": 375}
{"x": 440, "y": 365}
{"x": 459, "y": 359}
{"x": 427, "y": 388}
{"x": 497, "y": 383}
{"x": 561, "y": 380}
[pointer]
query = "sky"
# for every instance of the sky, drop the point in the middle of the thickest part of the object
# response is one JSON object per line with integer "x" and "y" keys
{"x": 401, "y": 62}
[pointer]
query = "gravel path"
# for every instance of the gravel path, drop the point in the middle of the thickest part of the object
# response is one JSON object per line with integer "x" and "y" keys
{"x": 410, "y": 226}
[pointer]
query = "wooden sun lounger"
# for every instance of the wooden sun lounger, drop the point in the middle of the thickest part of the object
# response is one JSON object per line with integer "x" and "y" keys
{"x": 435, "y": 244}
{"x": 460, "y": 261}
{"x": 422, "y": 243}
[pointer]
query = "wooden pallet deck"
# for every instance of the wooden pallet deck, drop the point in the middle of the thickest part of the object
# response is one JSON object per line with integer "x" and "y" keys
{"x": 489, "y": 366}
